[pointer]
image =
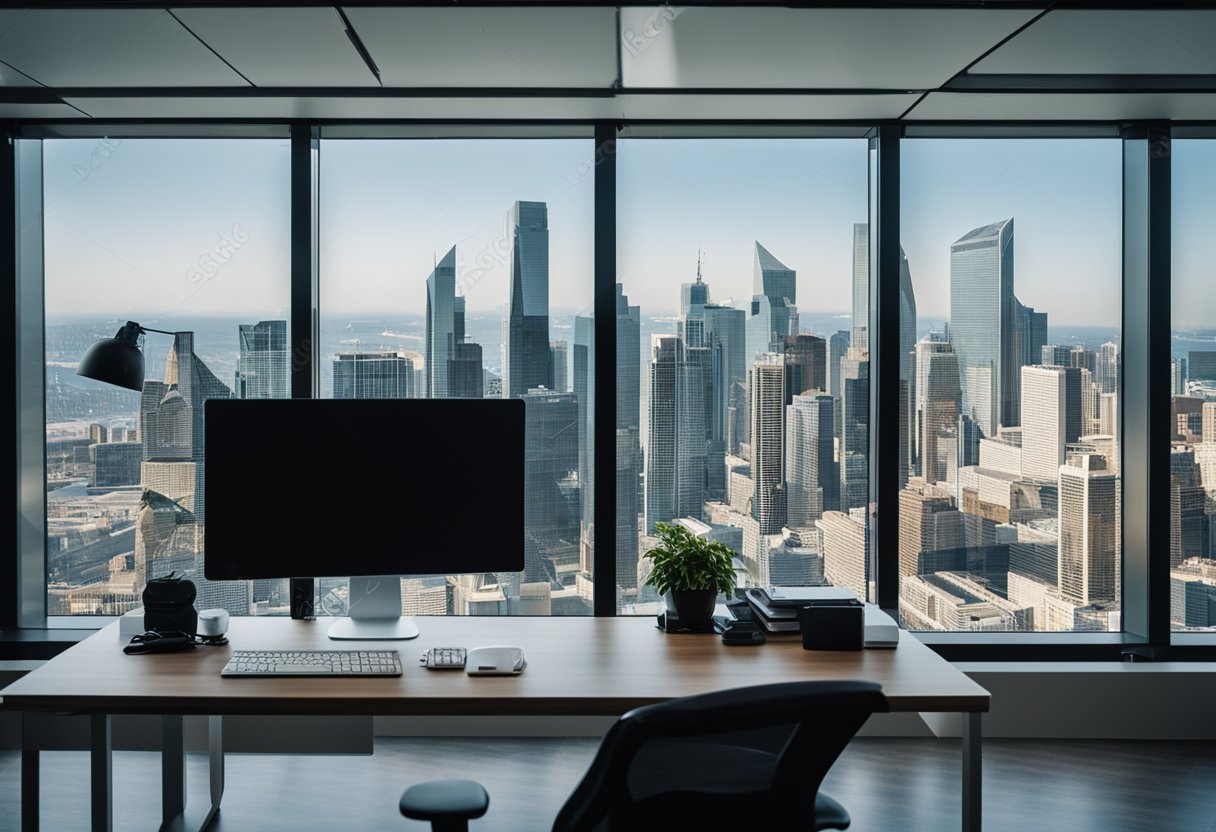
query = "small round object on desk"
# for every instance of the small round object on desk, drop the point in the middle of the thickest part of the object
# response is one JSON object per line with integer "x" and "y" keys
{"x": 445, "y": 800}
{"x": 212, "y": 623}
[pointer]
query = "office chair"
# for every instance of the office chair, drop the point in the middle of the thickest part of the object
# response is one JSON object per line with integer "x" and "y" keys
{"x": 755, "y": 756}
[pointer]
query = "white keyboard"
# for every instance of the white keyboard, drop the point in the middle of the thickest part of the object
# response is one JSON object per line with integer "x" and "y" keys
{"x": 313, "y": 663}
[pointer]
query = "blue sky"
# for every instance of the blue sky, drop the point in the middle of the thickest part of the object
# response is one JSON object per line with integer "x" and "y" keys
{"x": 145, "y": 227}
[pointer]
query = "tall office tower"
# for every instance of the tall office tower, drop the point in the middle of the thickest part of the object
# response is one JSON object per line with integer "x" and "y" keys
{"x": 984, "y": 325}
{"x": 812, "y": 475}
{"x": 1031, "y": 333}
{"x": 116, "y": 463}
{"x": 466, "y": 377}
{"x": 561, "y": 365}
{"x": 938, "y": 401}
{"x": 861, "y": 286}
{"x": 1054, "y": 355}
{"x": 968, "y": 441}
{"x": 929, "y": 521}
{"x": 1178, "y": 376}
{"x": 768, "y": 434}
{"x": 628, "y": 441}
{"x": 1106, "y": 369}
{"x": 1201, "y": 365}
{"x": 1082, "y": 359}
{"x": 1088, "y": 515}
{"x": 838, "y": 348}
{"x": 694, "y": 296}
{"x": 676, "y": 446}
{"x": 166, "y": 537}
{"x": 1189, "y": 529}
{"x": 1209, "y": 421}
{"x": 171, "y": 414}
{"x": 441, "y": 325}
{"x": 1045, "y": 401}
{"x": 774, "y": 314}
{"x": 726, "y": 337}
{"x": 854, "y": 430}
{"x": 550, "y": 454}
{"x": 805, "y": 364}
{"x": 1108, "y": 416}
{"x": 263, "y": 369}
{"x": 526, "y": 346}
{"x": 369, "y": 375}
{"x": 843, "y": 543}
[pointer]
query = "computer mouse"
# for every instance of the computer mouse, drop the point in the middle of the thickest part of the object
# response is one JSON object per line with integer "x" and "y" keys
{"x": 495, "y": 661}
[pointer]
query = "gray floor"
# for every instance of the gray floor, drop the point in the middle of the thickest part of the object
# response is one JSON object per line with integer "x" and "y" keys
{"x": 887, "y": 784}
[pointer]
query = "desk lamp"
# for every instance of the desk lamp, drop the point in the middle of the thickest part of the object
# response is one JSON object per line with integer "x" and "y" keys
{"x": 118, "y": 360}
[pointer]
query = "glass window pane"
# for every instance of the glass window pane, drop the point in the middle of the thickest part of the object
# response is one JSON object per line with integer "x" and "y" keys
{"x": 1193, "y": 406}
{"x": 188, "y": 236}
{"x": 1010, "y": 515}
{"x": 742, "y": 357}
{"x": 457, "y": 268}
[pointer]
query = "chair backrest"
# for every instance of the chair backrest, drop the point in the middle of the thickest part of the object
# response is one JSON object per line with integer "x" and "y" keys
{"x": 822, "y": 718}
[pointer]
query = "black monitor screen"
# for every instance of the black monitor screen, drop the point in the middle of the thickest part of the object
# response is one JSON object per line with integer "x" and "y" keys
{"x": 311, "y": 487}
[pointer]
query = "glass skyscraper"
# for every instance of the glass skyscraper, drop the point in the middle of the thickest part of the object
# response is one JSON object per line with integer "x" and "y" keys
{"x": 263, "y": 368}
{"x": 527, "y": 363}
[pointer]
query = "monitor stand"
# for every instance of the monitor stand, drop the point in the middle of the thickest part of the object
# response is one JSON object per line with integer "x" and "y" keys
{"x": 375, "y": 611}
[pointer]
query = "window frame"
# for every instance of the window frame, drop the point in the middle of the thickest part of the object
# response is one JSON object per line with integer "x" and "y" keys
{"x": 1146, "y": 630}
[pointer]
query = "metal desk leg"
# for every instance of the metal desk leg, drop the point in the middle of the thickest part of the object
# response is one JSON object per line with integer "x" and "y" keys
{"x": 172, "y": 768}
{"x": 29, "y": 778}
{"x": 101, "y": 773}
{"x": 972, "y": 771}
{"x": 215, "y": 752}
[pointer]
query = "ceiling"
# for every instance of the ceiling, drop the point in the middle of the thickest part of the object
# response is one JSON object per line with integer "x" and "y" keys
{"x": 585, "y": 62}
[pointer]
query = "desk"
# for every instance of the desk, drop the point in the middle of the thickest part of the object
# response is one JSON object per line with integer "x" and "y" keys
{"x": 576, "y": 666}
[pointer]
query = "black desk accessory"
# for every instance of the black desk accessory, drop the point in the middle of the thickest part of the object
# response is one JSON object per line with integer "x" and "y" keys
{"x": 169, "y": 605}
{"x": 302, "y": 605}
{"x": 170, "y": 641}
{"x": 839, "y": 625}
{"x": 743, "y": 632}
{"x": 669, "y": 622}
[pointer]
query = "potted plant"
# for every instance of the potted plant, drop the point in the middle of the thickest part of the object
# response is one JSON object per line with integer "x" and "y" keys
{"x": 693, "y": 569}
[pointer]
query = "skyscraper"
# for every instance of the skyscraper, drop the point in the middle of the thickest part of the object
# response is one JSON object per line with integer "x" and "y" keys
{"x": 855, "y": 430}
{"x": 1089, "y": 531}
{"x": 1189, "y": 530}
{"x": 171, "y": 415}
{"x": 116, "y": 463}
{"x": 767, "y": 436}
{"x": 984, "y": 326}
{"x": 861, "y": 286}
{"x": 466, "y": 375}
{"x": 526, "y": 348}
{"x": 774, "y": 314}
{"x": 805, "y": 364}
{"x": 365, "y": 375}
{"x": 929, "y": 521}
{"x": 843, "y": 543}
{"x": 937, "y": 409}
{"x": 1044, "y": 403}
{"x": 263, "y": 367}
{"x": 812, "y": 475}
{"x": 838, "y": 348}
{"x": 551, "y": 445}
{"x": 1106, "y": 372}
{"x": 628, "y": 442}
{"x": 676, "y": 446}
{"x": 441, "y": 324}
{"x": 561, "y": 365}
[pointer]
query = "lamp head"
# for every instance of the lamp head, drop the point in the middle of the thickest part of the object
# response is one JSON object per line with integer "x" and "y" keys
{"x": 116, "y": 360}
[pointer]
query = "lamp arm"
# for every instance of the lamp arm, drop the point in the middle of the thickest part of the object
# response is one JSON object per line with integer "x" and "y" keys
{"x": 161, "y": 331}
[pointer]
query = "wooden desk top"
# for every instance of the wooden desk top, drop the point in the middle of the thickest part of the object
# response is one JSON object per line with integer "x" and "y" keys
{"x": 576, "y": 666}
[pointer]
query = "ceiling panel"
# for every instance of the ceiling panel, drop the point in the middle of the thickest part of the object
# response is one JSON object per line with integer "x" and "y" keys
{"x": 110, "y": 47}
{"x": 772, "y": 47}
{"x": 282, "y": 47}
{"x": 37, "y": 111}
{"x": 489, "y": 47}
{"x": 649, "y": 107}
{"x": 1111, "y": 42}
{"x": 1066, "y": 107}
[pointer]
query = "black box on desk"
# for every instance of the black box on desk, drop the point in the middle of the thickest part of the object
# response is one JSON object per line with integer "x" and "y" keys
{"x": 833, "y": 626}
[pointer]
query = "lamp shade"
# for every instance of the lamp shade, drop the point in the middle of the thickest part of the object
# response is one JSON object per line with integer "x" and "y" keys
{"x": 116, "y": 361}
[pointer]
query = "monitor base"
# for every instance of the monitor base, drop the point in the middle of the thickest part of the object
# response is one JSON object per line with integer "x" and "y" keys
{"x": 373, "y": 629}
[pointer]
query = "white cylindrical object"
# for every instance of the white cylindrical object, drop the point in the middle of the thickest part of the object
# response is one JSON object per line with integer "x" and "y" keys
{"x": 212, "y": 623}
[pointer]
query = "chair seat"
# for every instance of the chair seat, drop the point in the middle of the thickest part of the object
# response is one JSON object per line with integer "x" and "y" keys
{"x": 445, "y": 800}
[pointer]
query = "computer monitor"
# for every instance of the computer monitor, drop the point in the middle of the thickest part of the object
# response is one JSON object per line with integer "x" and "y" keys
{"x": 364, "y": 487}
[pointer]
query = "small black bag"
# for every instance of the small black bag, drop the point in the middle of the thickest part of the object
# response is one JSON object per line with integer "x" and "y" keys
{"x": 169, "y": 605}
